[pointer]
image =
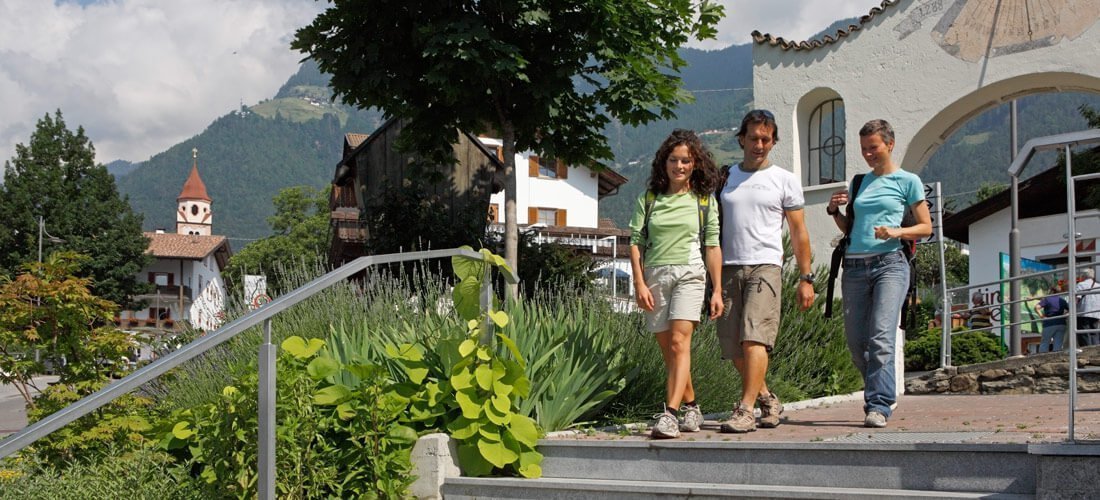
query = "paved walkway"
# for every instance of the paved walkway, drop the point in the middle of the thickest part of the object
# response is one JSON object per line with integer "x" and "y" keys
{"x": 1030, "y": 418}
{"x": 13, "y": 415}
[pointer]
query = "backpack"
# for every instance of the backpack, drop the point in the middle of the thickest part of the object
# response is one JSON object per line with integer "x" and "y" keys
{"x": 908, "y": 249}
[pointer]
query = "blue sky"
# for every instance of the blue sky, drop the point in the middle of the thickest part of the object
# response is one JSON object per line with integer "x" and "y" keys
{"x": 142, "y": 75}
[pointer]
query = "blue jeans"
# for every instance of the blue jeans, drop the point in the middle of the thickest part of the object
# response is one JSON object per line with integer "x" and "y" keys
{"x": 874, "y": 288}
{"x": 1056, "y": 332}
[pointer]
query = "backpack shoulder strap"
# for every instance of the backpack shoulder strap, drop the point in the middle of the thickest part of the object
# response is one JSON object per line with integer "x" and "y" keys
{"x": 842, "y": 246}
{"x": 703, "y": 203}
{"x": 650, "y": 199}
{"x": 850, "y": 209}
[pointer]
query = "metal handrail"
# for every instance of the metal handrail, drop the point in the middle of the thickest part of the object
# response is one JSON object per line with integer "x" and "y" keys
{"x": 260, "y": 316}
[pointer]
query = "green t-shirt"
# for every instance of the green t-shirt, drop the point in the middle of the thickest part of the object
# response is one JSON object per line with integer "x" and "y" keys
{"x": 673, "y": 229}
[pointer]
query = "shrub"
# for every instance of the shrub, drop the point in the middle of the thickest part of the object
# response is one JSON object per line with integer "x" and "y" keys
{"x": 967, "y": 348}
{"x": 139, "y": 474}
{"x": 333, "y": 440}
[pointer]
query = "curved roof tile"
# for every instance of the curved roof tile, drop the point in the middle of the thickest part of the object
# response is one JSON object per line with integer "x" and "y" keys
{"x": 778, "y": 41}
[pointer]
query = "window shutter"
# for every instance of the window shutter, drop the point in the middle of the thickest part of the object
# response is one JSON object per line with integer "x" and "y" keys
{"x": 560, "y": 217}
{"x": 500, "y": 154}
{"x": 532, "y": 214}
{"x": 533, "y": 166}
{"x": 563, "y": 170}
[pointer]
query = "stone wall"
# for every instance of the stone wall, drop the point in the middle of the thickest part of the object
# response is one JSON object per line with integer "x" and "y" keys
{"x": 1046, "y": 373}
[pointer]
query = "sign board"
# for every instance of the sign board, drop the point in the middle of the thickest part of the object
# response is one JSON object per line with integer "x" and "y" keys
{"x": 935, "y": 208}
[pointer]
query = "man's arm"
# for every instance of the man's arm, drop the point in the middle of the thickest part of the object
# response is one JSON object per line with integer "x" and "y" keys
{"x": 800, "y": 240}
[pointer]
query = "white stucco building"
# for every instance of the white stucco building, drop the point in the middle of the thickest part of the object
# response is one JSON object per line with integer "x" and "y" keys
{"x": 187, "y": 268}
{"x": 927, "y": 67}
{"x": 560, "y": 203}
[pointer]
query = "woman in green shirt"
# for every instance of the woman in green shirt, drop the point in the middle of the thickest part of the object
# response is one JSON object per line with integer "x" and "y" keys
{"x": 667, "y": 258}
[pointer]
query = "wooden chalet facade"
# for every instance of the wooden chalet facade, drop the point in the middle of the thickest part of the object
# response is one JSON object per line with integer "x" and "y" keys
{"x": 371, "y": 165}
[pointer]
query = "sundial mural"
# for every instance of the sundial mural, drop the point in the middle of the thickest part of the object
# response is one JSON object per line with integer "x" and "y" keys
{"x": 972, "y": 29}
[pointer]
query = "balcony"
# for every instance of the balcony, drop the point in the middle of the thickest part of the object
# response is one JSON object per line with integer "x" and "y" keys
{"x": 168, "y": 293}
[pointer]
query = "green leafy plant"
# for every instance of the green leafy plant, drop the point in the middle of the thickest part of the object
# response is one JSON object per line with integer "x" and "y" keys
{"x": 491, "y": 433}
{"x": 334, "y": 440}
{"x": 575, "y": 364}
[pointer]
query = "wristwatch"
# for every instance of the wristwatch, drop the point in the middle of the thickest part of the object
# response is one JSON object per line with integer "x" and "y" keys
{"x": 808, "y": 278}
{"x": 834, "y": 213}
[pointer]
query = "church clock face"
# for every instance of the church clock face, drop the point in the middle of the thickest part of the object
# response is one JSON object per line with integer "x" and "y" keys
{"x": 973, "y": 29}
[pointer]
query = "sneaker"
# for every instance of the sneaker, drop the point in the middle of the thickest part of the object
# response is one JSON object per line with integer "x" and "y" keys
{"x": 742, "y": 420}
{"x": 666, "y": 426}
{"x": 770, "y": 410}
{"x": 693, "y": 418}
{"x": 874, "y": 419}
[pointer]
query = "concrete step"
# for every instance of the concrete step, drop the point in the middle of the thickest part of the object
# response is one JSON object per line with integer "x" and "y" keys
{"x": 606, "y": 489}
{"x": 943, "y": 467}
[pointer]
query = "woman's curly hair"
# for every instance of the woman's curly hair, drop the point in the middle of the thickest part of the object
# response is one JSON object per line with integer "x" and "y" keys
{"x": 704, "y": 176}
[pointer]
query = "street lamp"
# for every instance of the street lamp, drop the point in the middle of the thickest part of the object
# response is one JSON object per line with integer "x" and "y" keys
{"x": 41, "y": 231}
{"x": 614, "y": 263}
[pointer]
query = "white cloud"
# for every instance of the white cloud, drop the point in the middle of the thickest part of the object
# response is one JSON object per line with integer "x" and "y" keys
{"x": 140, "y": 75}
{"x": 791, "y": 19}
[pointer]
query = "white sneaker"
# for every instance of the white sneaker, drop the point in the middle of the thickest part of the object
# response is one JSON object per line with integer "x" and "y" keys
{"x": 666, "y": 426}
{"x": 693, "y": 418}
{"x": 874, "y": 419}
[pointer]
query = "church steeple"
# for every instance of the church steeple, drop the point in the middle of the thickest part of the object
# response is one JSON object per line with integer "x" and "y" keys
{"x": 193, "y": 215}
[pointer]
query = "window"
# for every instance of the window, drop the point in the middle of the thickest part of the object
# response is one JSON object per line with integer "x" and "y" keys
{"x": 160, "y": 313}
{"x": 546, "y": 168}
{"x": 826, "y": 144}
{"x": 546, "y": 216}
{"x": 161, "y": 279}
{"x": 194, "y": 210}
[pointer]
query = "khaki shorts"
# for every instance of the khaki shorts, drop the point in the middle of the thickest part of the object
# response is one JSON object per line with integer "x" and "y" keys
{"x": 753, "y": 297}
{"x": 677, "y": 294}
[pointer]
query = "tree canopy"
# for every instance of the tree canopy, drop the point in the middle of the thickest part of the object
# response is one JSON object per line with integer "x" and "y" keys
{"x": 55, "y": 177}
{"x": 546, "y": 75}
{"x": 301, "y": 235}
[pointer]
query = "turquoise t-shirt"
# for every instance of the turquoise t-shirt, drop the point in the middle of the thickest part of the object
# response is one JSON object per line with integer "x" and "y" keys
{"x": 673, "y": 229}
{"x": 882, "y": 201}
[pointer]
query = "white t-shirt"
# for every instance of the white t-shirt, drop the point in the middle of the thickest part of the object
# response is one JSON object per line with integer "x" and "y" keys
{"x": 1088, "y": 305}
{"x": 753, "y": 206}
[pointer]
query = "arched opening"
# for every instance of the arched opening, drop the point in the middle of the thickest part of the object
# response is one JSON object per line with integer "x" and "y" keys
{"x": 820, "y": 138}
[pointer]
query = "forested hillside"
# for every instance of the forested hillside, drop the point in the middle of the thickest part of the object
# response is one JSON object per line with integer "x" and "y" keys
{"x": 248, "y": 155}
{"x": 980, "y": 153}
{"x": 295, "y": 138}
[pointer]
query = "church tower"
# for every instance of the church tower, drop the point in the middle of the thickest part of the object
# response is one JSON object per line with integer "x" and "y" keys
{"x": 193, "y": 215}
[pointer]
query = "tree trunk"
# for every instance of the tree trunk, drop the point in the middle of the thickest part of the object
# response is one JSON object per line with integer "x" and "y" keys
{"x": 511, "y": 229}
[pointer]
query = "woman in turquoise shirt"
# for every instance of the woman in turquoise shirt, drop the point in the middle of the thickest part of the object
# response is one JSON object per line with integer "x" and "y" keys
{"x": 876, "y": 273}
{"x": 669, "y": 283}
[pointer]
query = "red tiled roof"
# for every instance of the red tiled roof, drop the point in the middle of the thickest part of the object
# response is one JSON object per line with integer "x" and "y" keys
{"x": 762, "y": 38}
{"x": 184, "y": 246}
{"x": 193, "y": 188}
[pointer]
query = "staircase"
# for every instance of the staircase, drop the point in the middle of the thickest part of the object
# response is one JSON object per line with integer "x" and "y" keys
{"x": 580, "y": 469}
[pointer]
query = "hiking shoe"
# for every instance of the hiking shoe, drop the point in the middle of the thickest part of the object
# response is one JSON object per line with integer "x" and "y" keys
{"x": 742, "y": 420}
{"x": 693, "y": 418}
{"x": 874, "y": 419}
{"x": 770, "y": 410}
{"x": 666, "y": 426}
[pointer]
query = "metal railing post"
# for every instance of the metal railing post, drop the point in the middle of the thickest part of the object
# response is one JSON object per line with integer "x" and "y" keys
{"x": 487, "y": 305}
{"x": 265, "y": 435}
{"x": 1071, "y": 285}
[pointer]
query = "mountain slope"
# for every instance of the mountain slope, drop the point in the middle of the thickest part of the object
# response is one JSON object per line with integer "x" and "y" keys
{"x": 245, "y": 157}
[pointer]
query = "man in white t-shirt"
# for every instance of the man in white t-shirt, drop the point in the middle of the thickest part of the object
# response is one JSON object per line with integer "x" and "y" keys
{"x": 754, "y": 199}
{"x": 1088, "y": 307}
